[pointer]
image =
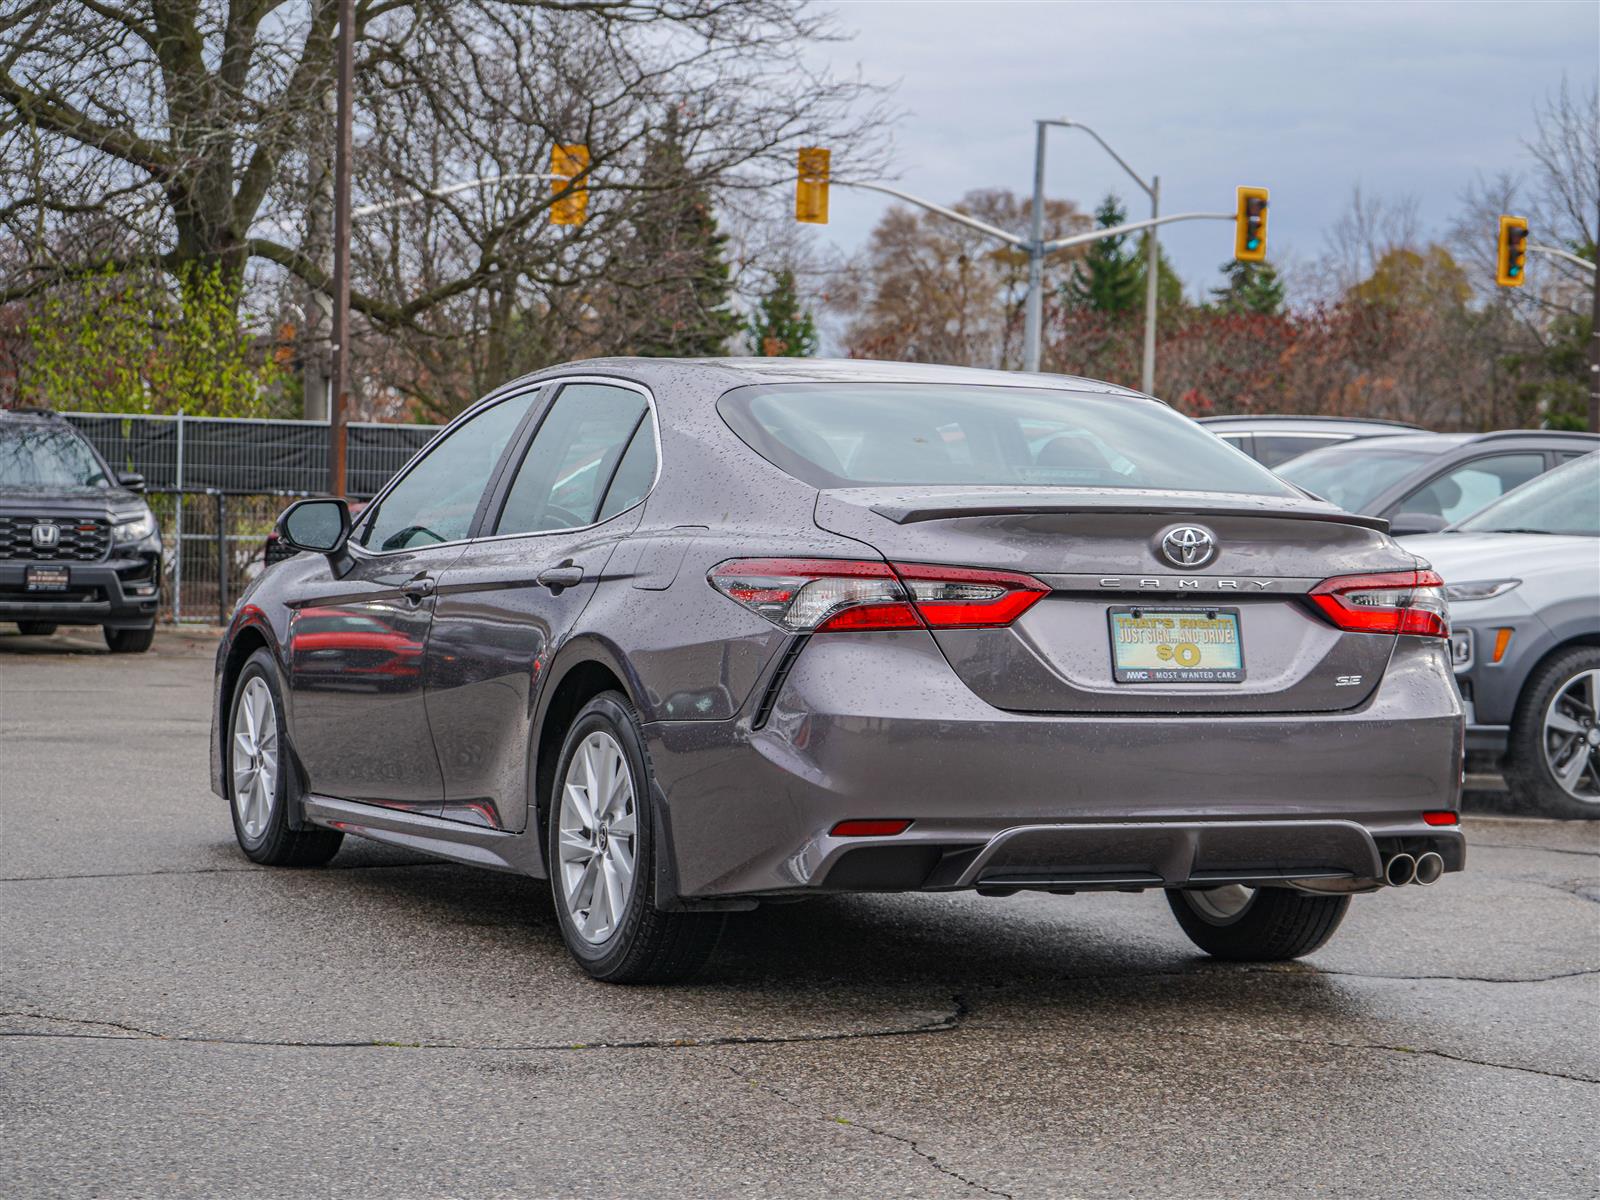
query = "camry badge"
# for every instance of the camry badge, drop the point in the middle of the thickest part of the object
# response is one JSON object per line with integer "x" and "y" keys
{"x": 1188, "y": 546}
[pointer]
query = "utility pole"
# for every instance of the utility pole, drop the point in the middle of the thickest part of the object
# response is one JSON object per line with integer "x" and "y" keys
{"x": 339, "y": 373}
{"x": 319, "y": 248}
{"x": 1033, "y": 316}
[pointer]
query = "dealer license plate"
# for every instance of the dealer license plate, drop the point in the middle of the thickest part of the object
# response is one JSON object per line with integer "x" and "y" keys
{"x": 1176, "y": 645}
{"x": 46, "y": 579}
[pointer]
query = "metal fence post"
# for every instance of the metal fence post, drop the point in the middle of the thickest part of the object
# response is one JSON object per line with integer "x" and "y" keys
{"x": 177, "y": 537}
{"x": 222, "y": 559}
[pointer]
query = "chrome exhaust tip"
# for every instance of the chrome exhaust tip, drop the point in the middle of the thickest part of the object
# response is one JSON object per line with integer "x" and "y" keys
{"x": 1429, "y": 868}
{"x": 1400, "y": 870}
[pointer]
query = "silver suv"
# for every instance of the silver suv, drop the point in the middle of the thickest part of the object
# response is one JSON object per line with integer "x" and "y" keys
{"x": 1523, "y": 580}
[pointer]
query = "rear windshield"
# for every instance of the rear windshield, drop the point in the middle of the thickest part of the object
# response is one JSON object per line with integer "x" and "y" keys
{"x": 847, "y": 435}
{"x": 1353, "y": 475}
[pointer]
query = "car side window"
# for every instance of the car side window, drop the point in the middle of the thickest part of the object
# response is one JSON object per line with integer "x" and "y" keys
{"x": 1275, "y": 448}
{"x": 635, "y": 473}
{"x": 571, "y": 462}
{"x": 436, "y": 500}
{"x": 1457, "y": 494}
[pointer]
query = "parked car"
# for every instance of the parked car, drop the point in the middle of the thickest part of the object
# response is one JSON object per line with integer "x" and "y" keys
{"x": 818, "y": 627}
{"x": 1523, "y": 579}
{"x": 1422, "y": 483}
{"x": 1271, "y": 439}
{"x": 78, "y": 543}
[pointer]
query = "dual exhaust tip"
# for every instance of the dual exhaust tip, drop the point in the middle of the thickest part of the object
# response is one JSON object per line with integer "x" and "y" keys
{"x": 1401, "y": 869}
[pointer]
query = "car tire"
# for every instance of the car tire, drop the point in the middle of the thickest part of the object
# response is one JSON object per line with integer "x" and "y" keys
{"x": 36, "y": 628}
{"x": 1564, "y": 689}
{"x": 129, "y": 641}
{"x": 258, "y": 786}
{"x": 1270, "y": 924}
{"x": 604, "y": 858}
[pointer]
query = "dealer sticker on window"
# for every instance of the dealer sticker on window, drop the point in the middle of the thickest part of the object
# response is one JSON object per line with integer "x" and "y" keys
{"x": 1176, "y": 645}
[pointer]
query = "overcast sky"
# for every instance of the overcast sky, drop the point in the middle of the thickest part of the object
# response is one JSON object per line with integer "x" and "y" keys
{"x": 1308, "y": 99}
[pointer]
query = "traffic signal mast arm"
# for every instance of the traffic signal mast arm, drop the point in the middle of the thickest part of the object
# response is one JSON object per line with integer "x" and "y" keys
{"x": 1562, "y": 254}
{"x": 1022, "y": 243}
{"x": 1094, "y": 235}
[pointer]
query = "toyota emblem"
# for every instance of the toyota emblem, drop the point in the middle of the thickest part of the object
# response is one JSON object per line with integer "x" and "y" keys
{"x": 1188, "y": 546}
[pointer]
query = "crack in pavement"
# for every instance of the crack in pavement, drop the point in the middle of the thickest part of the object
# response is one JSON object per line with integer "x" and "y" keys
{"x": 960, "y": 1015}
{"x": 134, "y": 1033}
{"x": 1476, "y": 1062}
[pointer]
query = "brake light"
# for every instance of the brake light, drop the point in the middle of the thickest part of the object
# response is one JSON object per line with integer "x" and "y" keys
{"x": 1441, "y": 818}
{"x": 823, "y": 595}
{"x": 1394, "y": 602}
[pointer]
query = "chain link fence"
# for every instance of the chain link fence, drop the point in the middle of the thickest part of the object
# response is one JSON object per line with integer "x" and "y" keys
{"x": 217, "y": 485}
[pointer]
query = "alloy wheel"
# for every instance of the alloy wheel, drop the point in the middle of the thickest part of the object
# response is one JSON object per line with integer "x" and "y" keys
{"x": 255, "y": 757}
{"x": 1571, "y": 736}
{"x": 1221, "y": 905}
{"x": 597, "y": 837}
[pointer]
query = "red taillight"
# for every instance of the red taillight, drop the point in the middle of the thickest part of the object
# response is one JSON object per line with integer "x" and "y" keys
{"x": 1441, "y": 818}
{"x": 822, "y": 595}
{"x": 869, "y": 828}
{"x": 964, "y": 598}
{"x": 1394, "y": 602}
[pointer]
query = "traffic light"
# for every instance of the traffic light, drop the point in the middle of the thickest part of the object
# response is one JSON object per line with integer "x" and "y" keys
{"x": 567, "y": 162}
{"x": 1250, "y": 225}
{"x": 1513, "y": 251}
{"x": 811, "y": 186}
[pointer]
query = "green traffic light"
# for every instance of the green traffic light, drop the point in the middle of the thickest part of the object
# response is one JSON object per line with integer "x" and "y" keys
{"x": 1514, "y": 270}
{"x": 1253, "y": 244}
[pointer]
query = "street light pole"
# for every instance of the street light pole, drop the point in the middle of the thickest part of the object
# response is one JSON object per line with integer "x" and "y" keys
{"x": 1152, "y": 257}
{"x": 1152, "y": 271}
{"x": 1033, "y": 318}
{"x": 338, "y": 381}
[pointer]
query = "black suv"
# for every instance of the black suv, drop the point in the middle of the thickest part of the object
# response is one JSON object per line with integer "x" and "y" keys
{"x": 78, "y": 545}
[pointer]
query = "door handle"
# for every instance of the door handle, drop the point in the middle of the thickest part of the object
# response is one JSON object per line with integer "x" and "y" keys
{"x": 417, "y": 590}
{"x": 564, "y": 576}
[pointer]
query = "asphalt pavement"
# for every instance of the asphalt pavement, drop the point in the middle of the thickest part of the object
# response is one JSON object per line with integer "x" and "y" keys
{"x": 175, "y": 1021}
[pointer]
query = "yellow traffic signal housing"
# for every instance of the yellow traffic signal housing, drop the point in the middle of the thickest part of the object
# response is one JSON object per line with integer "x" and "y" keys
{"x": 567, "y": 162}
{"x": 1250, "y": 225}
{"x": 811, "y": 186}
{"x": 1512, "y": 254}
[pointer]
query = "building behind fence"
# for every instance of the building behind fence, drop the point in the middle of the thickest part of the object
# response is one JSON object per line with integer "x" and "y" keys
{"x": 217, "y": 484}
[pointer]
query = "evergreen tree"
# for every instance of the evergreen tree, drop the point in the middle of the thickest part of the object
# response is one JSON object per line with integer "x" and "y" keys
{"x": 1251, "y": 288}
{"x": 1110, "y": 277}
{"x": 1169, "y": 287}
{"x": 681, "y": 308}
{"x": 781, "y": 326}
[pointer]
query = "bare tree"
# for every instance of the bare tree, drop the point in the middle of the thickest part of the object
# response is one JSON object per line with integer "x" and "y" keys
{"x": 182, "y": 133}
{"x": 931, "y": 290}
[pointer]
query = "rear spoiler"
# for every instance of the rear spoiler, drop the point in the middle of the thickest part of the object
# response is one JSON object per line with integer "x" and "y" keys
{"x": 930, "y": 504}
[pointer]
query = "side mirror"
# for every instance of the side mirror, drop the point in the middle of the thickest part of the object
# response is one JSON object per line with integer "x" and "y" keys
{"x": 321, "y": 526}
{"x": 1416, "y": 522}
{"x": 131, "y": 480}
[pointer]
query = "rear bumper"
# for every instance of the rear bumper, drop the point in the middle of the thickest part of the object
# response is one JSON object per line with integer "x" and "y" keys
{"x": 105, "y": 593}
{"x": 878, "y": 725}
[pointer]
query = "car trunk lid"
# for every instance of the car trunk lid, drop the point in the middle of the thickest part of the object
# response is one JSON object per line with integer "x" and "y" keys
{"x": 1099, "y": 553}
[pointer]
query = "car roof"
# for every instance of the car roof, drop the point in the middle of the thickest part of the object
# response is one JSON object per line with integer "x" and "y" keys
{"x": 32, "y": 416}
{"x": 739, "y": 372}
{"x": 1443, "y": 443}
{"x": 1276, "y": 422}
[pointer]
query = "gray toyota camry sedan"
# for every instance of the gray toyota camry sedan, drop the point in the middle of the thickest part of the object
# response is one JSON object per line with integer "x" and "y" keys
{"x": 685, "y": 636}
